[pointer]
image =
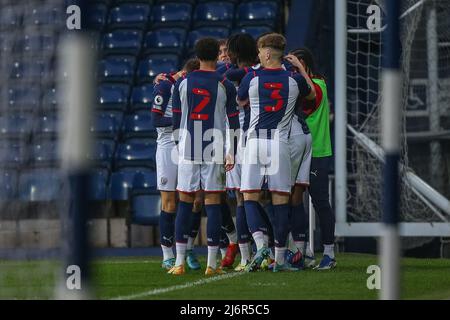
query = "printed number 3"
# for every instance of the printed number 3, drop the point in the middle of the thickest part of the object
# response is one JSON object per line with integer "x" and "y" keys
{"x": 275, "y": 95}
{"x": 195, "y": 114}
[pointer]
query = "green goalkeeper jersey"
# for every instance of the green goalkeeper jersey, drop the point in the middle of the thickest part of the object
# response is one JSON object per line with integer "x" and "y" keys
{"x": 319, "y": 122}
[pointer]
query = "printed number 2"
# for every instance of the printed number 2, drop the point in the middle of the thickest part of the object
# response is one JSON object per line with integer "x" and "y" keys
{"x": 275, "y": 95}
{"x": 195, "y": 114}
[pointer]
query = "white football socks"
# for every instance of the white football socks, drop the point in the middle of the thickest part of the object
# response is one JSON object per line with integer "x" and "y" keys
{"x": 190, "y": 243}
{"x": 258, "y": 236}
{"x": 232, "y": 236}
{"x": 223, "y": 252}
{"x": 167, "y": 253}
{"x": 266, "y": 240}
{"x": 181, "y": 254}
{"x": 245, "y": 253}
{"x": 328, "y": 249}
{"x": 279, "y": 255}
{"x": 291, "y": 244}
{"x": 301, "y": 246}
{"x": 212, "y": 256}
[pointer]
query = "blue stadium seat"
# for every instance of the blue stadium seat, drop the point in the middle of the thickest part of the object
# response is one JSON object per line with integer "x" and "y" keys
{"x": 10, "y": 18}
{"x": 146, "y": 207}
{"x": 102, "y": 153}
{"x": 217, "y": 13}
{"x": 98, "y": 181}
{"x": 153, "y": 65}
{"x": 131, "y": 15}
{"x": 124, "y": 41}
{"x": 23, "y": 98}
{"x": 139, "y": 124}
{"x": 42, "y": 16}
{"x": 136, "y": 152}
{"x": 97, "y": 15}
{"x": 47, "y": 125}
{"x": 172, "y": 14}
{"x": 50, "y": 100}
{"x": 167, "y": 40}
{"x": 117, "y": 68}
{"x": 41, "y": 184}
{"x": 6, "y": 43}
{"x": 36, "y": 43}
{"x": 107, "y": 124}
{"x": 12, "y": 154}
{"x": 108, "y": 3}
{"x": 113, "y": 96}
{"x": 257, "y": 12}
{"x": 126, "y": 179}
{"x": 232, "y": 1}
{"x": 254, "y": 31}
{"x": 215, "y": 32}
{"x": 28, "y": 70}
{"x": 97, "y": 39}
{"x": 192, "y": 2}
{"x": 45, "y": 153}
{"x": 8, "y": 184}
{"x": 16, "y": 125}
{"x": 142, "y": 97}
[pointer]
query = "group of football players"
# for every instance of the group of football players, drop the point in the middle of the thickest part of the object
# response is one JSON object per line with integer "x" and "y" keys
{"x": 245, "y": 125}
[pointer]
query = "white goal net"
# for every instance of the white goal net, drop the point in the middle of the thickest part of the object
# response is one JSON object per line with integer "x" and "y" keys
{"x": 425, "y": 36}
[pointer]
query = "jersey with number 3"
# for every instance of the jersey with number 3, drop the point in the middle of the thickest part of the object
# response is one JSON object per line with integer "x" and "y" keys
{"x": 204, "y": 99}
{"x": 273, "y": 94}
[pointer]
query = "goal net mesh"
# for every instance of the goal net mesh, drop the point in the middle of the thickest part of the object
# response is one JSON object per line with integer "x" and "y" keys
{"x": 364, "y": 99}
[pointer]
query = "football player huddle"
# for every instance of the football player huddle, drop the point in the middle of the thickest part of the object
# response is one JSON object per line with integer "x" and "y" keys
{"x": 245, "y": 125}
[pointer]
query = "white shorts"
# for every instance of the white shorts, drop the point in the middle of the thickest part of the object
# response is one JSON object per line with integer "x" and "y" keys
{"x": 266, "y": 159}
{"x": 234, "y": 175}
{"x": 167, "y": 167}
{"x": 234, "y": 178}
{"x": 301, "y": 152}
{"x": 193, "y": 177}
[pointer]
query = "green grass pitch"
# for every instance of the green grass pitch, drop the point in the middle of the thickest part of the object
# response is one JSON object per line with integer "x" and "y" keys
{"x": 143, "y": 278}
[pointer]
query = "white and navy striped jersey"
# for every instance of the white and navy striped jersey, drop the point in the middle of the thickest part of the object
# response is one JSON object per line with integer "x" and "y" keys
{"x": 272, "y": 94}
{"x": 201, "y": 101}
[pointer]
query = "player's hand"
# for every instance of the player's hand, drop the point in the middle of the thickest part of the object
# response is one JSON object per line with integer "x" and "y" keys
{"x": 229, "y": 162}
{"x": 243, "y": 103}
{"x": 295, "y": 62}
{"x": 160, "y": 77}
{"x": 178, "y": 75}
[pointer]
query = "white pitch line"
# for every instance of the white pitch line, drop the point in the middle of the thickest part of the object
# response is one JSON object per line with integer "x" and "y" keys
{"x": 178, "y": 287}
{"x": 129, "y": 262}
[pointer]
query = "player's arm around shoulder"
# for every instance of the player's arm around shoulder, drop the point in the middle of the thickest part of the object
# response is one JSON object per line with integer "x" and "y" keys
{"x": 243, "y": 90}
{"x": 161, "y": 96}
{"x": 176, "y": 108}
{"x": 233, "y": 121}
{"x": 231, "y": 106}
{"x": 306, "y": 86}
{"x": 236, "y": 74}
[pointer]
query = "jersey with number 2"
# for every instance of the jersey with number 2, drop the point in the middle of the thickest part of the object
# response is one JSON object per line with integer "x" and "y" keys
{"x": 204, "y": 99}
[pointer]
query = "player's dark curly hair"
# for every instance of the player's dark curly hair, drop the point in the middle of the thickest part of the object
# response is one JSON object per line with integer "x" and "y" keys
{"x": 207, "y": 49}
{"x": 308, "y": 58}
{"x": 242, "y": 48}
